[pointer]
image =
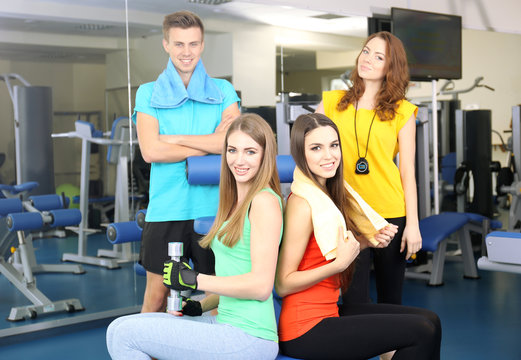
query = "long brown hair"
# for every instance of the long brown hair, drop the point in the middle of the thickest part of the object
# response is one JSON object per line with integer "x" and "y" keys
{"x": 267, "y": 177}
{"x": 395, "y": 84}
{"x": 334, "y": 187}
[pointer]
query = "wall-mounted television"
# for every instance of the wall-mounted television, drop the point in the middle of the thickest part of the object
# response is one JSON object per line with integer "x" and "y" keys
{"x": 432, "y": 42}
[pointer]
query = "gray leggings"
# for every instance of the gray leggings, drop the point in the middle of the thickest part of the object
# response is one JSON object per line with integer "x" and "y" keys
{"x": 164, "y": 336}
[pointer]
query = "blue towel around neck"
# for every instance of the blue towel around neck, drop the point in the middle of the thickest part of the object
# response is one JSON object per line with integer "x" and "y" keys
{"x": 170, "y": 92}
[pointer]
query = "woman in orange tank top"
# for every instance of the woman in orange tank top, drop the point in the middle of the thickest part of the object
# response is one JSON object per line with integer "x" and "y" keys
{"x": 310, "y": 326}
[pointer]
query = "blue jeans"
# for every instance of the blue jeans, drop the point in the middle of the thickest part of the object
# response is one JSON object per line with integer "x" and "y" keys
{"x": 164, "y": 336}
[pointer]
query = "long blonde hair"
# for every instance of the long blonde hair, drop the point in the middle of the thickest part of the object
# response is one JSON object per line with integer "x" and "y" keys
{"x": 267, "y": 177}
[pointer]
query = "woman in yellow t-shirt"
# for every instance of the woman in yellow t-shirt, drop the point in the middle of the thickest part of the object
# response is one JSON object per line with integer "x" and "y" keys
{"x": 376, "y": 123}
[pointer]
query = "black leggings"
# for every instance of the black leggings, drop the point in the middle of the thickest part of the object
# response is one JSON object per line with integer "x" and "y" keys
{"x": 366, "y": 330}
{"x": 389, "y": 269}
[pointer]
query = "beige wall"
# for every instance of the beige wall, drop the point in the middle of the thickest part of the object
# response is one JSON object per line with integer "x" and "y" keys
{"x": 254, "y": 65}
{"x": 75, "y": 87}
{"x": 495, "y": 56}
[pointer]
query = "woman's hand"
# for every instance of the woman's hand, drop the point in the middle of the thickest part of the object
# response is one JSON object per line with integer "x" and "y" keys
{"x": 385, "y": 235}
{"x": 178, "y": 275}
{"x": 177, "y": 313}
{"x": 413, "y": 239}
{"x": 347, "y": 250}
{"x": 190, "y": 308}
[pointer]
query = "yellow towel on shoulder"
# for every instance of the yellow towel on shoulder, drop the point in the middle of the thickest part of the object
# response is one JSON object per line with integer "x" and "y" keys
{"x": 327, "y": 218}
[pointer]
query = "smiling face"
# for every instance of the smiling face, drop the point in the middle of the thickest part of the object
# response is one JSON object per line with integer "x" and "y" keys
{"x": 322, "y": 151}
{"x": 243, "y": 156}
{"x": 373, "y": 60}
{"x": 184, "y": 46}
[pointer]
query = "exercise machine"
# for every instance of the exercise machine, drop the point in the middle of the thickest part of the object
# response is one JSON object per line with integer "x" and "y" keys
{"x": 503, "y": 252}
{"x": 121, "y": 151}
{"x": 509, "y": 182}
{"x": 286, "y": 112}
{"x": 18, "y": 217}
{"x": 473, "y": 178}
{"x": 35, "y": 204}
{"x": 423, "y": 168}
{"x": 503, "y": 248}
{"x": 32, "y": 108}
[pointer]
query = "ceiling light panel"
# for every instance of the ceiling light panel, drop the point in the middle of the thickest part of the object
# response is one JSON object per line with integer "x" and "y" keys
{"x": 209, "y": 2}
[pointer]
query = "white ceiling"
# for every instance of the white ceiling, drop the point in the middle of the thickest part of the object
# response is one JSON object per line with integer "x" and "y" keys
{"x": 86, "y": 30}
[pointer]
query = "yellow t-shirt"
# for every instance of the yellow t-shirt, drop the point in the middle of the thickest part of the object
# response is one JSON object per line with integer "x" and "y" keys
{"x": 382, "y": 188}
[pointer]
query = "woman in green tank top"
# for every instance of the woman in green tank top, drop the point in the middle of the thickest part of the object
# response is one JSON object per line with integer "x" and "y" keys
{"x": 245, "y": 238}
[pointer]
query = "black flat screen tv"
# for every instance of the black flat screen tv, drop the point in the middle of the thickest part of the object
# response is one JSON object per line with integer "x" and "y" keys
{"x": 432, "y": 42}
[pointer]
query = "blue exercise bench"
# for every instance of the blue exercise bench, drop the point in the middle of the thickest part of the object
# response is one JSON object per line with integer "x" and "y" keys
{"x": 19, "y": 216}
{"x": 435, "y": 231}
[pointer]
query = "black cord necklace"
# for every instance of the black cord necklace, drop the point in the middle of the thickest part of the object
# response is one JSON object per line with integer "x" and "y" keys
{"x": 362, "y": 166}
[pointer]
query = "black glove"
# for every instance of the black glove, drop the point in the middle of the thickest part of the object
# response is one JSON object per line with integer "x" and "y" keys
{"x": 179, "y": 276}
{"x": 192, "y": 308}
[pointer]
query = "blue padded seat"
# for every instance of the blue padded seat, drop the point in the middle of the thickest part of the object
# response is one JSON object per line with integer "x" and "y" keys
{"x": 435, "y": 230}
{"x": 478, "y": 218}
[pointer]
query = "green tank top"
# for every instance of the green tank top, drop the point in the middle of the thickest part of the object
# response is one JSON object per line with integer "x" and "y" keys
{"x": 254, "y": 317}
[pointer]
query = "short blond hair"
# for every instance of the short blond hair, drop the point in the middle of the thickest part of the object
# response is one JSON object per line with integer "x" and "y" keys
{"x": 181, "y": 19}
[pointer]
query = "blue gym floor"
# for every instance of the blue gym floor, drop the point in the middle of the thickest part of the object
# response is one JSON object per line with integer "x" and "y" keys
{"x": 481, "y": 318}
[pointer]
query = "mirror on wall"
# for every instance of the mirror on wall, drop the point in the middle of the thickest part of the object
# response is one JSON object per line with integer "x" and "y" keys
{"x": 298, "y": 71}
{"x": 60, "y": 97}
{"x": 78, "y": 52}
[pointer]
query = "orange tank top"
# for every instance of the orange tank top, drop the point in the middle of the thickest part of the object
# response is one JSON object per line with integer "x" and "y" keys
{"x": 303, "y": 310}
